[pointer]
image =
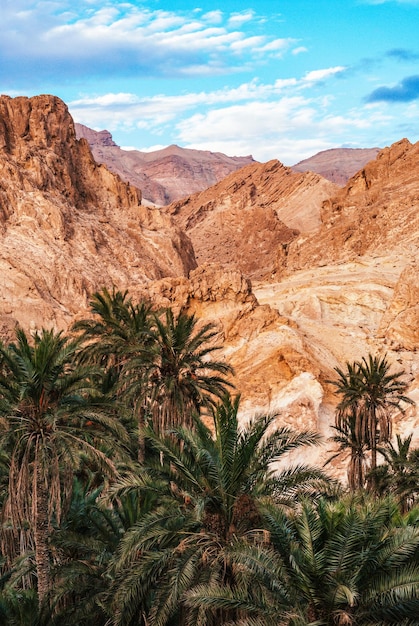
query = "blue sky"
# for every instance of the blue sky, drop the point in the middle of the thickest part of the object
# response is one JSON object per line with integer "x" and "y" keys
{"x": 271, "y": 78}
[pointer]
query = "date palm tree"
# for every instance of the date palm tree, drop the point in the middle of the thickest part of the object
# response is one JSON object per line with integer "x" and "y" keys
{"x": 177, "y": 375}
{"x": 52, "y": 414}
{"x": 348, "y": 439}
{"x": 212, "y": 487}
{"x": 369, "y": 394}
{"x": 119, "y": 332}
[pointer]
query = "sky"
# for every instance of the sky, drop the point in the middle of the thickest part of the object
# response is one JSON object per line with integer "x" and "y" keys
{"x": 277, "y": 79}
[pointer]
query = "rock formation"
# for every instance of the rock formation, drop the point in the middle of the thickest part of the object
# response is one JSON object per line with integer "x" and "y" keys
{"x": 248, "y": 220}
{"x": 163, "y": 175}
{"x": 68, "y": 225}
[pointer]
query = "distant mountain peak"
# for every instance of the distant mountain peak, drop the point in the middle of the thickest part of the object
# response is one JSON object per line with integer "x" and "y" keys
{"x": 337, "y": 164}
{"x": 163, "y": 175}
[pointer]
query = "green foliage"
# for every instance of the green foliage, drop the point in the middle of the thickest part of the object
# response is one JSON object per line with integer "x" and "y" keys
{"x": 191, "y": 518}
{"x": 369, "y": 394}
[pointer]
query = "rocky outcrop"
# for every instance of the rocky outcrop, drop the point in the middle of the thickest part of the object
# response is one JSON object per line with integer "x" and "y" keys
{"x": 337, "y": 164}
{"x": 68, "y": 225}
{"x": 399, "y": 325}
{"x": 273, "y": 366}
{"x": 375, "y": 212}
{"x": 163, "y": 175}
{"x": 248, "y": 220}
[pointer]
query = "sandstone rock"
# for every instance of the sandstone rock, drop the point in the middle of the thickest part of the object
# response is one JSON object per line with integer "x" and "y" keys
{"x": 400, "y": 323}
{"x": 67, "y": 225}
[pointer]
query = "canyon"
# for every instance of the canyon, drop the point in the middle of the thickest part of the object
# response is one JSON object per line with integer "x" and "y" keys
{"x": 298, "y": 274}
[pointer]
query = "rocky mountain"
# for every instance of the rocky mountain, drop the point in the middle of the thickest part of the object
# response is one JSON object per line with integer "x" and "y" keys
{"x": 337, "y": 164}
{"x": 67, "y": 224}
{"x": 247, "y": 221}
{"x": 163, "y": 175}
{"x": 297, "y": 275}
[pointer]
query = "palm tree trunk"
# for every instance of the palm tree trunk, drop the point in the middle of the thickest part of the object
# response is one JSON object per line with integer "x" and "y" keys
{"x": 141, "y": 438}
{"x": 41, "y": 534}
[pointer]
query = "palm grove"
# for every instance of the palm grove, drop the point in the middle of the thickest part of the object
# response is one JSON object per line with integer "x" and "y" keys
{"x": 130, "y": 495}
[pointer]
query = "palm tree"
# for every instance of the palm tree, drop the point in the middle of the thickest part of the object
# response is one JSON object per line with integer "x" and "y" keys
{"x": 161, "y": 363}
{"x": 399, "y": 474}
{"x": 53, "y": 414}
{"x": 212, "y": 488}
{"x": 350, "y": 562}
{"x": 347, "y": 438}
{"x": 342, "y": 563}
{"x": 177, "y": 375}
{"x": 369, "y": 393}
{"x": 119, "y": 332}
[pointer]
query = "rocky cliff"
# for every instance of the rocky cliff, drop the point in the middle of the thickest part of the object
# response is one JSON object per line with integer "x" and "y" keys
{"x": 163, "y": 175}
{"x": 68, "y": 225}
{"x": 248, "y": 220}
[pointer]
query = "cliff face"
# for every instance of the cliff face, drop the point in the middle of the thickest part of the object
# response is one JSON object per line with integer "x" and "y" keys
{"x": 376, "y": 212}
{"x": 248, "y": 220}
{"x": 67, "y": 225}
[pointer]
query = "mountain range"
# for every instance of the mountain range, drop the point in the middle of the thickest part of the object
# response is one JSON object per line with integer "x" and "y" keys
{"x": 173, "y": 173}
{"x": 297, "y": 273}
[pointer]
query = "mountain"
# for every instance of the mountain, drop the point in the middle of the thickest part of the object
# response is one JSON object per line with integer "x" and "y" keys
{"x": 337, "y": 164}
{"x": 68, "y": 225}
{"x": 297, "y": 275}
{"x": 163, "y": 175}
{"x": 247, "y": 221}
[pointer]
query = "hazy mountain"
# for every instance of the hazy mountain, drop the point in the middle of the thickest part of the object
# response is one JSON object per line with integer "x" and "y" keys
{"x": 337, "y": 164}
{"x": 164, "y": 175}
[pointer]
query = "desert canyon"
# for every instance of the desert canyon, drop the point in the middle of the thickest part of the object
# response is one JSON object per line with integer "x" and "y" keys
{"x": 298, "y": 273}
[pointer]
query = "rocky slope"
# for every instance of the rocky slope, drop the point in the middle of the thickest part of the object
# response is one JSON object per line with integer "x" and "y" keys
{"x": 163, "y": 175}
{"x": 68, "y": 225}
{"x": 247, "y": 221}
{"x": 342, "y": 289}
{"x": 337, "y": 164}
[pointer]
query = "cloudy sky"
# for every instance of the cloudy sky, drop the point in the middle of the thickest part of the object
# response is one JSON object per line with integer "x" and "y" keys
{"x": 273, "y": 78}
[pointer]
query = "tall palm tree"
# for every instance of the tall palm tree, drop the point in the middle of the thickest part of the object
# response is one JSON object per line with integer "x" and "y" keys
{"x": 118, "y": 329}
{"x": 213, "y": 485}
{"x": 177, "y": 374}
{"x": 119, "y": 332}
{"x": 53, "y": 414}
{"x": 369, "y": 393}
{"x": 348, "y": 439}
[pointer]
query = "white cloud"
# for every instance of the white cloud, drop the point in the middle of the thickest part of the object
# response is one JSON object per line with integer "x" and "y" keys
{"x": 290, "y": 129}
{"x": 299, "y": 50}
{"x": 276, "y": 120}
{"x": 320, "y": 75}
{"x": 237, "y": 19}
{"x": 125, "y": 39}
